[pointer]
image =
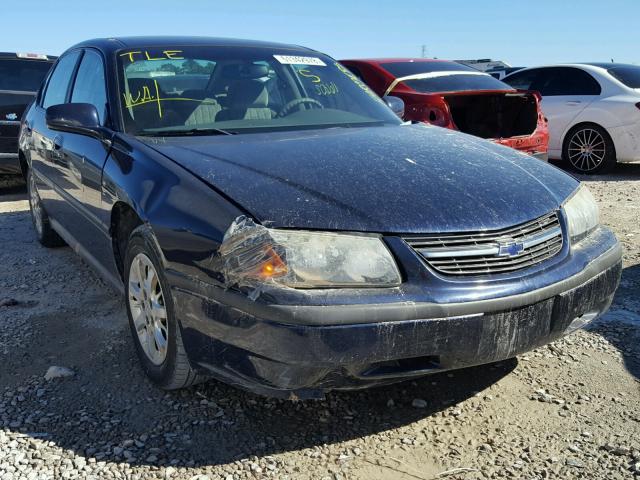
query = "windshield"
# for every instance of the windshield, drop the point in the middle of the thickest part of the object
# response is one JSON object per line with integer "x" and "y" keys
{"x": 630, "y": 75}
{"x": 212, "y": 90}
{"x": 442, "y": 77}
{"x": 22, "y": 75}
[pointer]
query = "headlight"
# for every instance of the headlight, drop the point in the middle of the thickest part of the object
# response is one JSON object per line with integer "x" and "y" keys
{"x": 582, "y": 214}
{"x": 254, "y": 255}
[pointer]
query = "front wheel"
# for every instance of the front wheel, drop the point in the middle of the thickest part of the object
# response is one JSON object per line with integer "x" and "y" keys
{"x": 154, "y": 327}
{"x": 589, "y": 149}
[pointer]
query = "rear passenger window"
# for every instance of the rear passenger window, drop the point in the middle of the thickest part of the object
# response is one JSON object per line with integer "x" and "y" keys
{"x": 89, "y": 86}
{"x": 522, "y": 80}
{"x": 566, "y": 81}
{"x": 60, "y": 79}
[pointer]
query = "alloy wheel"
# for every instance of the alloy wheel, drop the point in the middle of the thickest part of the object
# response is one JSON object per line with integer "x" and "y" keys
{"x": 148, "y": 310}
{"x": 587, "y": 150}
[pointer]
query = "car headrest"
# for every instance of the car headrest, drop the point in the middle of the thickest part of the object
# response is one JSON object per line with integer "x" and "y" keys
{"x": 242, "y": 71}
{"x": 247, "y": 92}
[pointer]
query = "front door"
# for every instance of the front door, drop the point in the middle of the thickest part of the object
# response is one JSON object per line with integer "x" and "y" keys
{"x": 88, "y": 155}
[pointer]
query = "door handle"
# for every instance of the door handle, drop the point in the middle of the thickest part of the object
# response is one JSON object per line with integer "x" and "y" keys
{"x": 574, "y": 102}
{"x": 56, "y": 147}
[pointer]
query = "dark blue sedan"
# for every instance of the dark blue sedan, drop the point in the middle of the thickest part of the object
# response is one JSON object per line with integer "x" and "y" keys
{"x": 273, "y": 224}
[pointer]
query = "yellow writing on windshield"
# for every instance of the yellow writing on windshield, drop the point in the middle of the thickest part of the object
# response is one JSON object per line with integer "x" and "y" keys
{"x": 321, "y": 88}
{"x": 358, "y": 82}
{"x": 144, "y": 96}
{"x": 307, "y": 74}
{"x": 152, "y": 95}
{"x": 146, "y": 55}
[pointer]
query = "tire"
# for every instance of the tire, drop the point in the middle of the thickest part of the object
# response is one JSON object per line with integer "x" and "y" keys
{"x": 588, "y": 148}
{"x": 154, "y": 328}
{"x": 45, "y": 234}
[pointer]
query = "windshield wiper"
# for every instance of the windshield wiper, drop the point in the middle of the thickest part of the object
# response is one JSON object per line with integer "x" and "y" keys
{"x": 190, "y": 132}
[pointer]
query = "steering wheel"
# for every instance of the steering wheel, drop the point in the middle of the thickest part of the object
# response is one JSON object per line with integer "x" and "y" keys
{"x": 296, "y": 102}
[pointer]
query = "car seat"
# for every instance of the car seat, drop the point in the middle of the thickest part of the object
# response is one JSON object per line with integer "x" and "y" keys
{"x": 247, "y": 94}
{"x": 205, "y": 112}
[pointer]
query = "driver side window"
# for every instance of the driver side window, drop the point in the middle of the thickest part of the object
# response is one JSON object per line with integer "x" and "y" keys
{"x": 89, "y": 86}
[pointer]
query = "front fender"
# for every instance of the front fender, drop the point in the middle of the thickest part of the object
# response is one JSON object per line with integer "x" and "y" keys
{"x": 187, "y": 216}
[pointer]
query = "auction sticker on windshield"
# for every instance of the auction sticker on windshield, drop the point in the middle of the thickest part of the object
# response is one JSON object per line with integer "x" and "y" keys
{"x": 296, "y": 60}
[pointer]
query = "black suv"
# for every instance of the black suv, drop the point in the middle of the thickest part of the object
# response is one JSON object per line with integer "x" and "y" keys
{"x": 20, "y": 77}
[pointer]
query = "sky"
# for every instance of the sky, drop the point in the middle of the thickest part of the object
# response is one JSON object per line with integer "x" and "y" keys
{"x": 522, "y": 33}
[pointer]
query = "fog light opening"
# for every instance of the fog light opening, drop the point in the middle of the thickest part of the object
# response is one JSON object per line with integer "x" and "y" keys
{"x": 582, "y": 321}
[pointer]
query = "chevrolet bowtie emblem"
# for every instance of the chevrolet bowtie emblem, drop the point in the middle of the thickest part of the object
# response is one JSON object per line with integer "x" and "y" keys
{"x": 509, "y": 248}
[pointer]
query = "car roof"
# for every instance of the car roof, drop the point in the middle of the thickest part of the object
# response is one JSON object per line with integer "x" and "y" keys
{"x": 609, "y": 65}
{"x": 591, "y": 66}
{"x": 395, "y": 60}
{"x": 23, "y": 56}
{"x": 117, "y": 43}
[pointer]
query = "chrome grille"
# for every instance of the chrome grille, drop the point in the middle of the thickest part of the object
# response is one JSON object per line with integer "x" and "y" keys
{"x": 497, "y": 251}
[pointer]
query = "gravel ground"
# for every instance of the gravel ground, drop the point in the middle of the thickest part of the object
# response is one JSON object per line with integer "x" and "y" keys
{"x": 568, "y": 410}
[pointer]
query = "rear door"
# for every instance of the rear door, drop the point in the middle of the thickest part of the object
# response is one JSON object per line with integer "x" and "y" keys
{"x": 566, "y": 91}
{"x": 58, "y": 179}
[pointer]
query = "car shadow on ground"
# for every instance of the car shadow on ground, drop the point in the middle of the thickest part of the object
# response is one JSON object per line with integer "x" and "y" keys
{"x": 620, "y": 326}
{"x": 622, "y": 172}
{"x": 214, "y": 424}
{"x": 110, "y": 412}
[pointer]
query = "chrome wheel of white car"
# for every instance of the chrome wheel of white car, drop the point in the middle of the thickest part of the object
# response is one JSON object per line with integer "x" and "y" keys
{"x": 589, "y": 149}
{"x": 146, "y": 302}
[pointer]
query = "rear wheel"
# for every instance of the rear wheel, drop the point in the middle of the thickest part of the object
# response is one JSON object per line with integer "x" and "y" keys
{"x": 589, "y": 149}
{"x": 154, "y": 327}
{"x": 46, "y": 235}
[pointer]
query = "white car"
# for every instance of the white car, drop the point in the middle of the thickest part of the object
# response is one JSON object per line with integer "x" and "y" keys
{"x": 593, "y": 111}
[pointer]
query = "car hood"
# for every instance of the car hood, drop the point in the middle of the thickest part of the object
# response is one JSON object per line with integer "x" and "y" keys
{"x": 402, "y": 179}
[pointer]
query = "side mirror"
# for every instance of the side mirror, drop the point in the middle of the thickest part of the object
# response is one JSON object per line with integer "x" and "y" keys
{"x": 79, "y": 118}
{"x": 396, "y": 104}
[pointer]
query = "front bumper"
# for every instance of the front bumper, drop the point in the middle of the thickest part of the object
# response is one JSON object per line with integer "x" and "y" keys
{"x": 302, "y": 351}
{"x": 9, "y": 163}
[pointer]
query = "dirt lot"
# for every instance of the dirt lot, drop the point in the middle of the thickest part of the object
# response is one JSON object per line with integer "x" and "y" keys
{"x": 569, "y": 410}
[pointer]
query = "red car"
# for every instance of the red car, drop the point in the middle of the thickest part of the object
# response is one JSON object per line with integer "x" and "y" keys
{"x": 451, "y": 95}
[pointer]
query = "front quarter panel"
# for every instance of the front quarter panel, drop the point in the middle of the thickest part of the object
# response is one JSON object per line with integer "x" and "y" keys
{"x": 187, "y": 217}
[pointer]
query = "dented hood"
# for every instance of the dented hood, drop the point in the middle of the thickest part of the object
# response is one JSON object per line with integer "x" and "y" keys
{"x": 403, "y": 179}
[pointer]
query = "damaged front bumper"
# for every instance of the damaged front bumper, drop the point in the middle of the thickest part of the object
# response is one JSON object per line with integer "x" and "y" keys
{"x": 301, "y": 347}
